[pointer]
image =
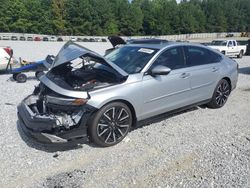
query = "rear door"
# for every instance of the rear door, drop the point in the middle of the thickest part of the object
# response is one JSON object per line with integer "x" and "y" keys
{"x": 204, "y": 67}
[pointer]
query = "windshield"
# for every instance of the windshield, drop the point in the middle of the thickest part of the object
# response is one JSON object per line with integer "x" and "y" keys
{"x": 131, "y": 59}
{"x": 219, "y": 43}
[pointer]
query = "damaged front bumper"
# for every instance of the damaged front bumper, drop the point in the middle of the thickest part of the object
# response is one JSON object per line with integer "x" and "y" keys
{"x": 52, "y": 128}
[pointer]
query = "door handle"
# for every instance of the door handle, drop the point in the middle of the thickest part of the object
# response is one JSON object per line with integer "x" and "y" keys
{"x": 185, "y": 75}
{"x": 214, "y": 69}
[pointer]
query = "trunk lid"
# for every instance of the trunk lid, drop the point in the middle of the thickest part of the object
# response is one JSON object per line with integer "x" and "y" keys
{"x": 116, "y": 40}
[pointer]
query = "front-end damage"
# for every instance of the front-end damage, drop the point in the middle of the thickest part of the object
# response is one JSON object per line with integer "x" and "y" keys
{"x": 51, "y": 119}
{"x": 58, "y": 109}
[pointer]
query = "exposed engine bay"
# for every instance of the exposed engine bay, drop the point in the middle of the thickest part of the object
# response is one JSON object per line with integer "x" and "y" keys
{"x": 84, "y": 74}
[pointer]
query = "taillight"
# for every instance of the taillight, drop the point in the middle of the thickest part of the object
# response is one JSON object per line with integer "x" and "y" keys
{"x": 8, "y": 50}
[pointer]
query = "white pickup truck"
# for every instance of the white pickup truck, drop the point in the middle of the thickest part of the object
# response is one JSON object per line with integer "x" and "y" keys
{"x": 229, "y": 47}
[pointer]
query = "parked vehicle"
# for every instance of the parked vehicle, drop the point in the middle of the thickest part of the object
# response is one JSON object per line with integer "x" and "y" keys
{"x": 59, "y": 39}
{"x": 87, "y": 95}
{"x": 53, "y": 39}
{"x": 18, "y": 69}
{"x": 85, "y": 40}
{"x": 228, "y": 48}
{"x": 37, "y": 39}
{"x": 73, "y": 39}
{"x": 245, "y": 34}
{"x": 22, "y": 38}
{"x": 38, "y": 67}
{"x": 14, "y": 38}
{"x": 79, "y": 40}
{"x": 104, "y": 40}
{"x": 98, "y": 40}
{"x": 45, "y": 39}
{"x": 5, "y": 38}
{"x": 230, "y": 35}
{"x": 29, "y": 38}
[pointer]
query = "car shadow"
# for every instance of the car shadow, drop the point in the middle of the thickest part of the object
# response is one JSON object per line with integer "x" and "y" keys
{"x": 244, "y": 70}
{"x": 52, "y": 148}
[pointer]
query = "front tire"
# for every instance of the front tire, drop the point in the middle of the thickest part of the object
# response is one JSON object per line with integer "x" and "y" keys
{"x": 221, "y": 94}
{"x": 110, "y": 124}
{"x": 21, "y": 78}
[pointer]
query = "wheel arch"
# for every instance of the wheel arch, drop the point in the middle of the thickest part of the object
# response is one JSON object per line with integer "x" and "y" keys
{"x": 229, "y": 81}
{"x": 130, "y": 106}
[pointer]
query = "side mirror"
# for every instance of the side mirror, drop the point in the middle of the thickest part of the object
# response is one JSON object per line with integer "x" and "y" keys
{"x": 159, "y": 70}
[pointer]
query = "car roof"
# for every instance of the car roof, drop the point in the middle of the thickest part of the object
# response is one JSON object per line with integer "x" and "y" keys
{"x": 164, "y": 45}
{"x": 154, "y": 46}
{"x": 172, "y": 44}
{"x": 146, "y": 40}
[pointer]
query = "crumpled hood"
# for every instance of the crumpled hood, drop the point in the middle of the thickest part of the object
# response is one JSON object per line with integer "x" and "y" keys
{"x": 71, "y": 51}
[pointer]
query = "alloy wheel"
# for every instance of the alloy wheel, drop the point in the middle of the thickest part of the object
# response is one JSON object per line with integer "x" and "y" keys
{"x": 114, "y": 124}
{"x": 222, "y": 93}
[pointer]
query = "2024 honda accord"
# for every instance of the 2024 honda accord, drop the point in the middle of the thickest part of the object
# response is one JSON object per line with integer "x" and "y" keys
{"x": 87, "y": 95}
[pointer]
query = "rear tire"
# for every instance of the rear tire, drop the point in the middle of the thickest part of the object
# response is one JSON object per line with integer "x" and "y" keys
{"x": 21, "y": 78}
{"x": 110, "y": 124}
{"x": 220, "y": 96}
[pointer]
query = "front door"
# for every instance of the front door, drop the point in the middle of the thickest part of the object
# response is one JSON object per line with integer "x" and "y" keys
{"x": 164, "y": 93}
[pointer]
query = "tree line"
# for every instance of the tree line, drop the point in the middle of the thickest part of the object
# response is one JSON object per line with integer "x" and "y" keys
{"x": 123, "y": 17}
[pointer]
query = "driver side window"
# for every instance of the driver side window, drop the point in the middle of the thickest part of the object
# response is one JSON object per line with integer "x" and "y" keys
{"x": 172, "y": 58}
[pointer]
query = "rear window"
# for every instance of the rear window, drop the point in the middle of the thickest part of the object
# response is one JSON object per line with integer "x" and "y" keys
{"x": 219, "y": 43}
{"x": 200, "y": 56}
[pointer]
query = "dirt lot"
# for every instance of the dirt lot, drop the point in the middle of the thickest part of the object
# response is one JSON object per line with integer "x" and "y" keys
{"x": 196, "y": 148}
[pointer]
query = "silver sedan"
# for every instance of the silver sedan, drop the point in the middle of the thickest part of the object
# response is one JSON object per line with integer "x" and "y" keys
{"x": 85, "y": 95}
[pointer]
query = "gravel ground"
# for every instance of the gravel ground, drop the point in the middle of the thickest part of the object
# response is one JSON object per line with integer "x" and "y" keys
{"x": 196, "y": 148}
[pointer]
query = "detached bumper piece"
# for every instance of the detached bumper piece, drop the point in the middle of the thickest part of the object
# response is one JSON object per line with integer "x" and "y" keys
{"x": 54, "y": 126}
